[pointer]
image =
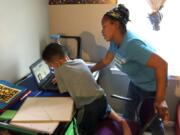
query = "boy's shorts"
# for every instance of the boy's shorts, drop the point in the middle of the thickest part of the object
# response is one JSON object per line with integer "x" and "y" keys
{"x": 89, "y": 115}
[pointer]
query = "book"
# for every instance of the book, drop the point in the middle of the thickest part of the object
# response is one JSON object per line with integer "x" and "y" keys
{"x": 40, "y": 127}
{"x": 43, "y": 114}
{"x": 10, "y": 94}
{"x": 15, "y": 130}
{"x": 7, "y": 115}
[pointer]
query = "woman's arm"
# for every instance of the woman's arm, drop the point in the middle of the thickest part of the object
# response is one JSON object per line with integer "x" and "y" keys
{"x": 104, "y": 62}
{"x": 160, "y": 66}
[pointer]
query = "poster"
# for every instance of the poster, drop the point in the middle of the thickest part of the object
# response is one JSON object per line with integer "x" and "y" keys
{"x": 57, "y": 2}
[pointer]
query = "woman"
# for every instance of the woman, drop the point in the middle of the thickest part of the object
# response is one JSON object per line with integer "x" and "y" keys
{"x": 146, "y": 70}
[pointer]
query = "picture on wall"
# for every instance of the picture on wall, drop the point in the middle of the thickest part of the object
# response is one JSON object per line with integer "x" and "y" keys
{"x": 57, "y": 2}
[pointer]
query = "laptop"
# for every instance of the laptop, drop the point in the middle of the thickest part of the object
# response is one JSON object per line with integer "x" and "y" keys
{"x": 43, "y": 75}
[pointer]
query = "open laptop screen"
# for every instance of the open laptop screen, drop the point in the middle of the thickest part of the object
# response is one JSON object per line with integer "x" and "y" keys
{"x": 40, "y": 70}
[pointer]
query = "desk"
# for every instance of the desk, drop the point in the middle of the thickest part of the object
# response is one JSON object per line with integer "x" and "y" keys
{"x": 29, "y": 82}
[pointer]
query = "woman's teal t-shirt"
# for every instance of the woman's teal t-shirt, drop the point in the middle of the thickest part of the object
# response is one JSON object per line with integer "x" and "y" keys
{"x": 131, "y": 58}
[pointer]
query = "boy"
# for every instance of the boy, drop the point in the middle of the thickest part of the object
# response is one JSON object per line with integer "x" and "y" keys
{"x": 75, "y": 77}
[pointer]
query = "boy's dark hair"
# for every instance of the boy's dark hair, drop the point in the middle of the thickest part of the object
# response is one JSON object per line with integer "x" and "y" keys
{"x": 53, "y": 49}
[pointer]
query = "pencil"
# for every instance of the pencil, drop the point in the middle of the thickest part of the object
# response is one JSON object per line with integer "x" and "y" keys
{"x": 25, "y": 95}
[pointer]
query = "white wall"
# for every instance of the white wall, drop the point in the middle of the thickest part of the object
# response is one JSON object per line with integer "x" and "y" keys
{"x": 81, "y": 20}
{"x": 24, "y": 28}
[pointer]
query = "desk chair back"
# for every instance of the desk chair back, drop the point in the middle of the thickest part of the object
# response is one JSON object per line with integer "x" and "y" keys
{"x": 72, "y": 44}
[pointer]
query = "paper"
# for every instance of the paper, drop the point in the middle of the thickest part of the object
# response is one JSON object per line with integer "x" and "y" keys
{"x": 7, "y": 115}
{"x": 45, "y": 109}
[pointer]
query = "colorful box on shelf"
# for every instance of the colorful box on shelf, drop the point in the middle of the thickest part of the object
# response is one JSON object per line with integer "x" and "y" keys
{"x": 10, "y": 94}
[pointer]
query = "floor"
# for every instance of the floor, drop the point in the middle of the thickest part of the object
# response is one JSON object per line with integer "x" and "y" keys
{"x": 169, "y": 130}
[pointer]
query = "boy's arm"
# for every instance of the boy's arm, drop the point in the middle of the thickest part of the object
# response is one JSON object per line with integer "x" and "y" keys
{"x": 61, "y": 86}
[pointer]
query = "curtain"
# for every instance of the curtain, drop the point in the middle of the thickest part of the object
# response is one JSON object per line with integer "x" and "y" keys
{"x": 156, "y": 16}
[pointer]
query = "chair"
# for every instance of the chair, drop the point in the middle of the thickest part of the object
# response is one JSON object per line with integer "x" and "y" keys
{"x": 72, "y": 44}
{"x": 146, "y": 116}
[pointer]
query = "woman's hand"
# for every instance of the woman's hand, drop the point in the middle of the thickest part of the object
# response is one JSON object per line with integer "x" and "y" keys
{"x": 161, "y": 109}
{"x": 103, "y": 62}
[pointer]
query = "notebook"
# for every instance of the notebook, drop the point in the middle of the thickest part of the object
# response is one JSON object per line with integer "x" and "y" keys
{"x": 45, "y": 109}
{"x": 46, "y": 115}
{"x": 43, "y": 75}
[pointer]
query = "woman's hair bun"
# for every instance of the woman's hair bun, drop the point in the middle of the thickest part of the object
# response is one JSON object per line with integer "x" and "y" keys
{"x": 120, "y": 13}
{"x": 124, "y": 12}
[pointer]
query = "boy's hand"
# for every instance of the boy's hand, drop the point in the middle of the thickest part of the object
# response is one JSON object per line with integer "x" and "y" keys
{"x": 54, "y": 80}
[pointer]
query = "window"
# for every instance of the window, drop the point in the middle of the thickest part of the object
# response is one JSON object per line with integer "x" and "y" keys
{"x": 166, "y": 40}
